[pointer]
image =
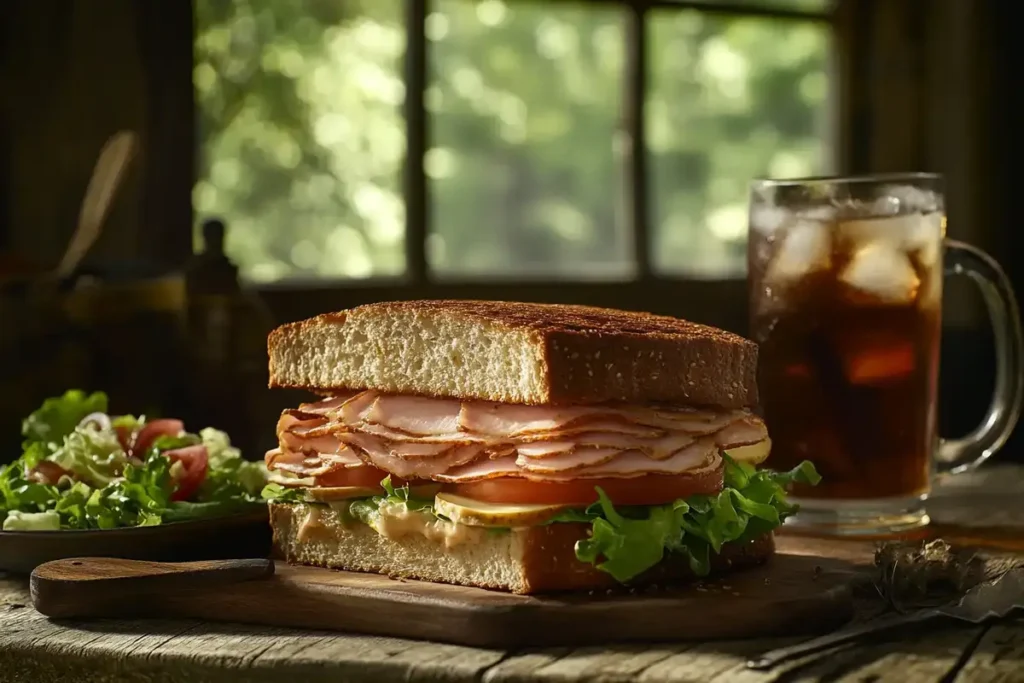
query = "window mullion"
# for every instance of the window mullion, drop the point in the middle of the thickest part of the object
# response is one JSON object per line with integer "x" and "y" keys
{"x": 417, "y": 200}
{"x": 635, "y": 95}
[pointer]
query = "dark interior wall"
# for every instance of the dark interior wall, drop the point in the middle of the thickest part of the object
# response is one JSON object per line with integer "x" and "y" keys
{"x": 73, "y": 74}
{"x": 72, "y": 78}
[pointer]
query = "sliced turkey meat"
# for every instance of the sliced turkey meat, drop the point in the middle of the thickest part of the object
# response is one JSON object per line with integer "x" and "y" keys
{"x": 488, "y": 468}
{"x": 635, "y": 464}
{"x": 416, "y": 415}
{"x": 327, "y": 443}
{"x": 573, "y": 460}
{"x": 416, "y": 437}
{"x": 377, "y": 453}
{"x": 393, "y": 435}
{"x": 354, "y": 410}
{"x": 506, "y": 420}
{"x": 326, "y": 406}
{"x": 312, "y": 464}
{"x": 657, "y": 448}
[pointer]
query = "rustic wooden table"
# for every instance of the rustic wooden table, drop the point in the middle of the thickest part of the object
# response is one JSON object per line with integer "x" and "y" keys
{"x": 984, "y": 507}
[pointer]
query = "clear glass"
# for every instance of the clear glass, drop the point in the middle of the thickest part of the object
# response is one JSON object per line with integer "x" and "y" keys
{"x": 846, "y": 282}
{"x": 730, "y": 98}
{"x": 301, "y": 135}
{"x": 526, "y": 164}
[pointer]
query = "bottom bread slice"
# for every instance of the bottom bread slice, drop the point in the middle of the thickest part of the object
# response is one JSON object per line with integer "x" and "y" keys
{"x": 527, "y": 560}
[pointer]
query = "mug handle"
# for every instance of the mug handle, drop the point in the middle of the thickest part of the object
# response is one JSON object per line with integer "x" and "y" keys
{"x": 960, "y": 455}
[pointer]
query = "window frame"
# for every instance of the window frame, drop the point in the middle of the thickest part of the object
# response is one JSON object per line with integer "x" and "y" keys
{"x": 720, "y": 302}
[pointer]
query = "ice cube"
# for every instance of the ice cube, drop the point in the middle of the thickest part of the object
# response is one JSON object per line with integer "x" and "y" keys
{"x": 912, "y": 198}
{"x": 767, "y": 219}
{"x": 881, "y": 273}
{"x": 890, "y": 231}
{"x": 804, "y": 249}
{"x": 925, "y": 237}
{"x": 824, "y": 213}
{"x": 886, "y": 205}
{"x": 909, "y": 233}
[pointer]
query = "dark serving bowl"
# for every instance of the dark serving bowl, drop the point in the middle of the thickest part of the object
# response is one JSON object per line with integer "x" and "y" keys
{"x": 235, "y": 536}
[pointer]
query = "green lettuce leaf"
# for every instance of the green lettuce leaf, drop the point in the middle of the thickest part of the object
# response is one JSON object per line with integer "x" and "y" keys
{"x": 402, "y": 496}
{"x": 619, "y": 545}
{"x": 138, "y": 498}
{"x": 18, "y": 494}
{"x": 282, "y": 494}
{"x": 166, "y": 442}
{"x": 629, "y": 542}
{"x": 58, "y": 416}
{"x": 228, "y": 476}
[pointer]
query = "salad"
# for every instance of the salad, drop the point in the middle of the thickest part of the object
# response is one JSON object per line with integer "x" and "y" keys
{"x": 82, "y": 468}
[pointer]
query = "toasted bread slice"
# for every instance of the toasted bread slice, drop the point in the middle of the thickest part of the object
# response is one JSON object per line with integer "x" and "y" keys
{"x": 530, "y": 560}
{"x": 516, "y": 353}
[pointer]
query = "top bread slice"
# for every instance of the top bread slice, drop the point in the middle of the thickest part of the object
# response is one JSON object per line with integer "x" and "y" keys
{"x": 537, "y": 354}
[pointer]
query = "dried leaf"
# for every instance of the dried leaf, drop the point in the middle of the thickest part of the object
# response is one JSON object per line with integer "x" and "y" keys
{"x": 914, "y": 576}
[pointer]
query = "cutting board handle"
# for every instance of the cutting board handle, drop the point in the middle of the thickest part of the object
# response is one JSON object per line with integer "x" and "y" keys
{"x": 113, "y": 587}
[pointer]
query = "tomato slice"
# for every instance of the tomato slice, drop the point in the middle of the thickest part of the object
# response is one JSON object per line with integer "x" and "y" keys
{"x": 125, "y": 437}
{"x": 364, "y": 476}
{"x": 149, "y": 433}
{"x": 651, "y": 489}
{"x": 194, "y": 460}
{"x": 47, "y": 472}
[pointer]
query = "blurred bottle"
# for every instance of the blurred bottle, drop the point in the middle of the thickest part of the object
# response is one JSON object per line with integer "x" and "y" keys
{"x": 227, "y": 327}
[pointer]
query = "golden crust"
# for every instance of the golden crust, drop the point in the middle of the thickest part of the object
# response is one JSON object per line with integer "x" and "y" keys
{"x": 591, "y": 355}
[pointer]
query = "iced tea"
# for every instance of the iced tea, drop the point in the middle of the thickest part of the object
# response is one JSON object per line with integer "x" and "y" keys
{"x": 846, "y": 296}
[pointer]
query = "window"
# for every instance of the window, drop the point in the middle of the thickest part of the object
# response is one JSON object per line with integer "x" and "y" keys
{"x": 502, "y": 140}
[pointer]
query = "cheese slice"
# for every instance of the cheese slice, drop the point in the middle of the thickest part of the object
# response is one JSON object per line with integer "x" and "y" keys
{"x": 463, "y": 510}
{"x": 753, "y": 454}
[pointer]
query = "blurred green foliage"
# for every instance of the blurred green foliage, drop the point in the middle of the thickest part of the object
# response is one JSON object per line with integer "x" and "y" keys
{"x": 303, "y": 135}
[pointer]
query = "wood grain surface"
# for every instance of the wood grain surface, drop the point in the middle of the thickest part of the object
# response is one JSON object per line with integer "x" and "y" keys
{"x": 793, "y": 593}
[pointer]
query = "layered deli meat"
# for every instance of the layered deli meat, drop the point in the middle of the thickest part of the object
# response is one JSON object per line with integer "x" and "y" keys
{"x": 455, "y": 441}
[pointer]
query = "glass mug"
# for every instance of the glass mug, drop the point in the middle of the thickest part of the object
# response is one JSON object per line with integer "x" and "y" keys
{"x": 845, "y": 280}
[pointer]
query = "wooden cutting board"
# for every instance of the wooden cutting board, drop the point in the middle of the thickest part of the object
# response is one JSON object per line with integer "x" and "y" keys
{"x": 793, "y": 594}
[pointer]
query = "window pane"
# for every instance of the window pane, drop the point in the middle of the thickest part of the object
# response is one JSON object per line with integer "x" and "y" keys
{"x": 302, "y": 134}
{"x": 730, "y": 99}
{"x": 525, "y": 168}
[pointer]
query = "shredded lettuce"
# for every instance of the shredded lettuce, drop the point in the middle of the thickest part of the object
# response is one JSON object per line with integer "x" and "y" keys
{"x": 394, "y": 500}
{"x": 92, "y": 454}
{"x": 106, "y": 489}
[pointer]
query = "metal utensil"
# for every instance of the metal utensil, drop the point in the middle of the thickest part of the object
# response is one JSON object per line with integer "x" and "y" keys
{"x": 989, "y": 599}
{"x": 106, "y": 178}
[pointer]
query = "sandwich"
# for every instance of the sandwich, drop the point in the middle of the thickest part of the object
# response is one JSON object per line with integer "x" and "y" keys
{"x": 521, "y": 447}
